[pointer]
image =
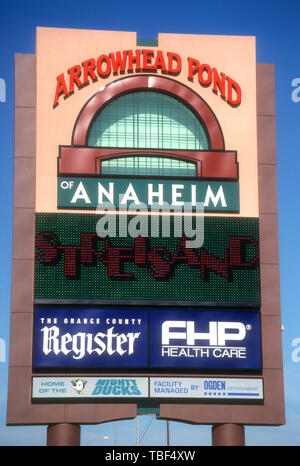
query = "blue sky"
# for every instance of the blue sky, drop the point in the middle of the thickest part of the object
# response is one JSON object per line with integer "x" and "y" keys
{"x": 276, "y": 27}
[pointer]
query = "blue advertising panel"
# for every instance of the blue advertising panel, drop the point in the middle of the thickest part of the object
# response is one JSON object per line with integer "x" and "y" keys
{"x": 89, "y": 338}
{"x": 211, "y": 339}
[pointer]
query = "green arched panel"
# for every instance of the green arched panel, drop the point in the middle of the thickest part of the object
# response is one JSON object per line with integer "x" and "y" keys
{"x": 147, "y": 120}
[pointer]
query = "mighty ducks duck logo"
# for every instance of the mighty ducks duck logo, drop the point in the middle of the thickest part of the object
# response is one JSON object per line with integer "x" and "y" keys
{"x": 79, "y": 386}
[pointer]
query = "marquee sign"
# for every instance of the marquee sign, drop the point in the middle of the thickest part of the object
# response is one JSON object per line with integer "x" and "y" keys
{"x": 146, "y": 253}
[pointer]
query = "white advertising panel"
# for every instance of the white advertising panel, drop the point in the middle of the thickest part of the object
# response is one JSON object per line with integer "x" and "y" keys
{"x": 207, "y": 388}
{"x": 89, "y": 387}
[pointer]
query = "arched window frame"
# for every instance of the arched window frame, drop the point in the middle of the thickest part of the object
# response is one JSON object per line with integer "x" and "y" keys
{"x": 79, "y": 159}
{"x": 145, "y": 82}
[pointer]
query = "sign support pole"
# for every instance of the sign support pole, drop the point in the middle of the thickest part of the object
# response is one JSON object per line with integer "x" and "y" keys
{"x": 228, "y": 435}
{"x": 63, "y": 435}
{"x": 168, "y": 432}
{"x": 138, "y": 431}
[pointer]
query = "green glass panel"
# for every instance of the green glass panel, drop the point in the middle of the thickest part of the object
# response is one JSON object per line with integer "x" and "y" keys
{"x": 144, "y": 166}
{"x": 147, "y": 119}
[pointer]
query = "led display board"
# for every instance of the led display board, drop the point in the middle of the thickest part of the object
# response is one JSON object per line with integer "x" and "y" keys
{"x": 72, "y": 263}
{"x": 88, "y": 338}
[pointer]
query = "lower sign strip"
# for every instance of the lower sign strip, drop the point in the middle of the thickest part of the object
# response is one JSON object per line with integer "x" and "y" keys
{"x": 83, "y": 388}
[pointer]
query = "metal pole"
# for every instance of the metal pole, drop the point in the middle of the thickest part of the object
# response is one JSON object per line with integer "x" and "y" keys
{"x": 115, "y": 433}
{"x": 138, "y": 431}
{"x": 168, "y": 433}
